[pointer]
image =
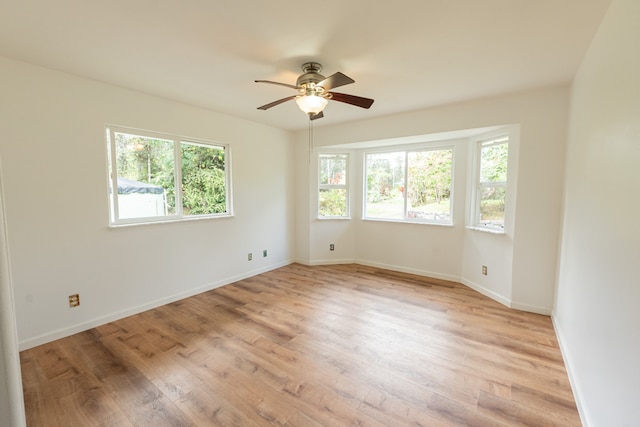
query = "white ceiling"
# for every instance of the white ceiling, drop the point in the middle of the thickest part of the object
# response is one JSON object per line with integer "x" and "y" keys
{"x": 406, "y": 54}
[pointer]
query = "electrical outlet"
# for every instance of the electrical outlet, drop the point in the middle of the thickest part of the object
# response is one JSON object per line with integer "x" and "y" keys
{"x": 264, "y": 253}
{"x": 74, "y": 300}
{"x": 332, "y": 247}
{"x": 250, "y": 256}
{"x": 484, "y": 270}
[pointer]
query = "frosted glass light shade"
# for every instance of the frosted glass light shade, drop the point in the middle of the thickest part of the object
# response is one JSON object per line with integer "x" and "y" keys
{"x": 311, "y": 104}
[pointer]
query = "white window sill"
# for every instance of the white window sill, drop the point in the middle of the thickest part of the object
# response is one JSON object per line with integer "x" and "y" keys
{"x": 485, "y": 230}
{"x": 400, "y": 221}
{"x": 169, "y": 221}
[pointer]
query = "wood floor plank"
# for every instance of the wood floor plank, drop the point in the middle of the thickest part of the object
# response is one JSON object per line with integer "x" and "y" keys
{"x": 335, "y": 345}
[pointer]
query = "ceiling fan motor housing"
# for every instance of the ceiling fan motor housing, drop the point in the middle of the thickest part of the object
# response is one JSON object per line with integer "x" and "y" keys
{"x": 311, "y": 74}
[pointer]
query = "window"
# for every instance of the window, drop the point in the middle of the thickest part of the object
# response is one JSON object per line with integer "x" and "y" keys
{"x": 409, "y": 185}
{"x": 491, "y": 182}
{"x": 161, "y": 177}
{"x": 333, "y": 193}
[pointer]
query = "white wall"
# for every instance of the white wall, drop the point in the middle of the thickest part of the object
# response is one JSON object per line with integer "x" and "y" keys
{"x": 53, "y": 148}
{"x": 522, "y": 263}
{"x": 597, "y": 314}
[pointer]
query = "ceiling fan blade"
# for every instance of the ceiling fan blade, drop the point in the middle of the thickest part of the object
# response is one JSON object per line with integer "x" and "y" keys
{"x": 358, "y": 101}
{"x": 278, "y": 102}
{"x": 277, "y": 83}
{"x": 335, "y": 80}
{"x": 317, "y": 116}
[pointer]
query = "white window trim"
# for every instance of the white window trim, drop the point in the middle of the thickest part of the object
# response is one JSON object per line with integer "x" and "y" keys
{"x": 439, "y": 145}
{"x": 115, "y": 222}
{"x": 477, "y": 185}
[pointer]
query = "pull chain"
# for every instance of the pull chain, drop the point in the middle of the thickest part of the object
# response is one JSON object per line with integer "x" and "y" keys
{"x": 310, "y": 137}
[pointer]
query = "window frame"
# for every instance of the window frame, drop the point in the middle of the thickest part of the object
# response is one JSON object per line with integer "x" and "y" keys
{"x": 344, "y": 186}
{"x": 177, "y": 141}
{"x": 478, "y": 185}
{"x": 406, "y": 149}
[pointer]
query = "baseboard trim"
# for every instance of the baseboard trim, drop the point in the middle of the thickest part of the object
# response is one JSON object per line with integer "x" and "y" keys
{"x": 409, "y": 270}
{"x": 582, "y": 408}
{"x": 331, "y": 261}
{"x": 64, "y": 332}
{"x": 545, "y": 311}
{"x": 484, "y": 291}
{"x": 98, "y": 321}
{"x": 487, "y": 292}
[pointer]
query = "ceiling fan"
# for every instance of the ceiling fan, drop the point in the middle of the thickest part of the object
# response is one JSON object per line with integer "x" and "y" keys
{"x": 314, "y": 91}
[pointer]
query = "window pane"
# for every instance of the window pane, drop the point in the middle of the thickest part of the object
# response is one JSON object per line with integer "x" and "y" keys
{"x": 333, "y": 169}
{"x": 493, "y": 162}
{"x": 333, "y": 193}
{"x": 145, "y": 176}
{"x": 332, "y": 202}
{"x": 492, "y": 202}
{"x": 385, "y": 185}
{"x": 203, "y": 179}
{"x": 429, "y": 185}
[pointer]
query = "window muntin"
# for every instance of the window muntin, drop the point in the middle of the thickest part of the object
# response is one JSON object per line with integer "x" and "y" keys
{"x": 409, "y": 185}
{"x": 333, "y": 192}
{"x": 145, "y": 168}
{"x": 491, "y": 178}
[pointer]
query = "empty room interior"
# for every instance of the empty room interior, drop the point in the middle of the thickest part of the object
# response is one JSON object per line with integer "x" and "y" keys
{"x": 251, "y": 213}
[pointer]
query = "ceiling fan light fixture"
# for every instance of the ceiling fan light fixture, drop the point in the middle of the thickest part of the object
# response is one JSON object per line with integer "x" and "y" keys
{"x": 311, "y": 104}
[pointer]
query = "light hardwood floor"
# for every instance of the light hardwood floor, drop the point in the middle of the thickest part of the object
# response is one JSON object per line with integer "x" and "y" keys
{"x": 343, "y": 345}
